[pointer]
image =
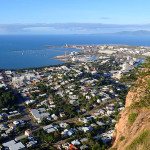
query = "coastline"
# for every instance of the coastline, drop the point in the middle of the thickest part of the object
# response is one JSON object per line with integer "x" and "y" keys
{"x": 52, "y": 56}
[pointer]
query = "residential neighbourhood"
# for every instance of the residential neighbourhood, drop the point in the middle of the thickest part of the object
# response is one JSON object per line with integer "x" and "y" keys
{"x": 68, "y": 106}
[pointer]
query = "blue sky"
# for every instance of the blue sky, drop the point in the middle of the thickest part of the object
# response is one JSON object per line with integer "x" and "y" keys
{"x": 73, "y": 16}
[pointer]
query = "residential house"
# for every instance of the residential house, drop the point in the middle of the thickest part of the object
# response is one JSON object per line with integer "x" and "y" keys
{"x": 55, "y": 117}
{"x": 12, "y": 145}
{"x": 76, "y": 142}
{"x": 39, "y": 115}
{"x": 28, "y": 132}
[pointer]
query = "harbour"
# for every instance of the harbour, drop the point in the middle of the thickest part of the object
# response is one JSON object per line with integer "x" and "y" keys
{"x": 18, "y": 52}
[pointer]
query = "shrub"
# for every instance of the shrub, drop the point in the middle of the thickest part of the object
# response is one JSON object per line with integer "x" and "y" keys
{"x": 142, "y": 103}
{"x": 122, "y": 138}
{"x": 132, "y": 117}
{"x": 135, "y": 105}
{"x": 145, "y": 102}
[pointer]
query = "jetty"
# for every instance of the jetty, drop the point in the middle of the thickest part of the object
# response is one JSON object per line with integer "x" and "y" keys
{"x": 38, "y": 50}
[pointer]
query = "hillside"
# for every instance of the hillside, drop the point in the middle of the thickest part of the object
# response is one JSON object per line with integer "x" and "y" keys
{"x": 133, "y": 129}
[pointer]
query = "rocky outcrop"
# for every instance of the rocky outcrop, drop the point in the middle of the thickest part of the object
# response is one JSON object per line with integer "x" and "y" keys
{"x": 137, "y": 92}
{"x": 125, "y": 131}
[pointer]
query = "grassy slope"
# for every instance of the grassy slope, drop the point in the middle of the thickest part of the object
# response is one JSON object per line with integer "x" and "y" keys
{"x": 141, "y": 142}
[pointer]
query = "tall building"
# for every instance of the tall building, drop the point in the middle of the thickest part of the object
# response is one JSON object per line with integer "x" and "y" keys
{"x": 126, "y": 67}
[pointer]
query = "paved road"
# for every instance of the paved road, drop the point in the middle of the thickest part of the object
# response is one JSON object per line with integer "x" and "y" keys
{"x": 72, "y": 119}
{"x": 61, "y": 142}
{"x": 86, "y": 113}
{"x": 34, "y": 127}
{"x": 25, "y": 115}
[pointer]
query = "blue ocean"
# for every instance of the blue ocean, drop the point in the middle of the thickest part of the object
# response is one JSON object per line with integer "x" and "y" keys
{"x": 16, "y": 50}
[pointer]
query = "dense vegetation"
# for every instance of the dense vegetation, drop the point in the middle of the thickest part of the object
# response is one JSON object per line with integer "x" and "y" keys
{"x": 7, "y": 98}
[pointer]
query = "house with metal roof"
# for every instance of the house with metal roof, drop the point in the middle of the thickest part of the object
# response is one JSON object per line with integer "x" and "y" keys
{"x": 38, "y": 115}
{"x": 12, "y": 145}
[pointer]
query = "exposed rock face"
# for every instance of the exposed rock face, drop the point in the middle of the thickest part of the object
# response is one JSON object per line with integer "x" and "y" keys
{"x": 137, "y": 92}
{"x": 131, "y": 130}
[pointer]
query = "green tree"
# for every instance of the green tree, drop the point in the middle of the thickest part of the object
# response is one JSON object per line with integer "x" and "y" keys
{"x": 96, "y": 146}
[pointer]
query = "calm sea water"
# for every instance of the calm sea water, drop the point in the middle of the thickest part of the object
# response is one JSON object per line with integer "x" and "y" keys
{"x": 10, "y": 59}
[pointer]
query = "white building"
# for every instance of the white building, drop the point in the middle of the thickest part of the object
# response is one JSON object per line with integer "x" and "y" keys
{"x": 126, "y": 67}
{"x": 39, "y": 114}
{"x": 12, "y": 145}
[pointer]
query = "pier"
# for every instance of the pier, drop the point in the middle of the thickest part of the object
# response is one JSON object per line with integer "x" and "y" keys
{"x": 38, "y": 50}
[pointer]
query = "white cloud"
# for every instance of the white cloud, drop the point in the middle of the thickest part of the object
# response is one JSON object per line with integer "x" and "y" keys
{"x": 70, "y": 28}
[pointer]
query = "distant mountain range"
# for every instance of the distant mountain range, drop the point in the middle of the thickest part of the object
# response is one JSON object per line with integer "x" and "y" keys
{"x": 130, "y": 33}
{"x": 136, "y": 33}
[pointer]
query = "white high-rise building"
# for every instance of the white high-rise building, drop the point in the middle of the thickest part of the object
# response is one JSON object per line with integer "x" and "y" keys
{"x": 126, "y": 67}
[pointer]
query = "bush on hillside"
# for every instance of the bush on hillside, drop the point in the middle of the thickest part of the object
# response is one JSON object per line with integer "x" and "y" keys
{"x": 132, "y": 117}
